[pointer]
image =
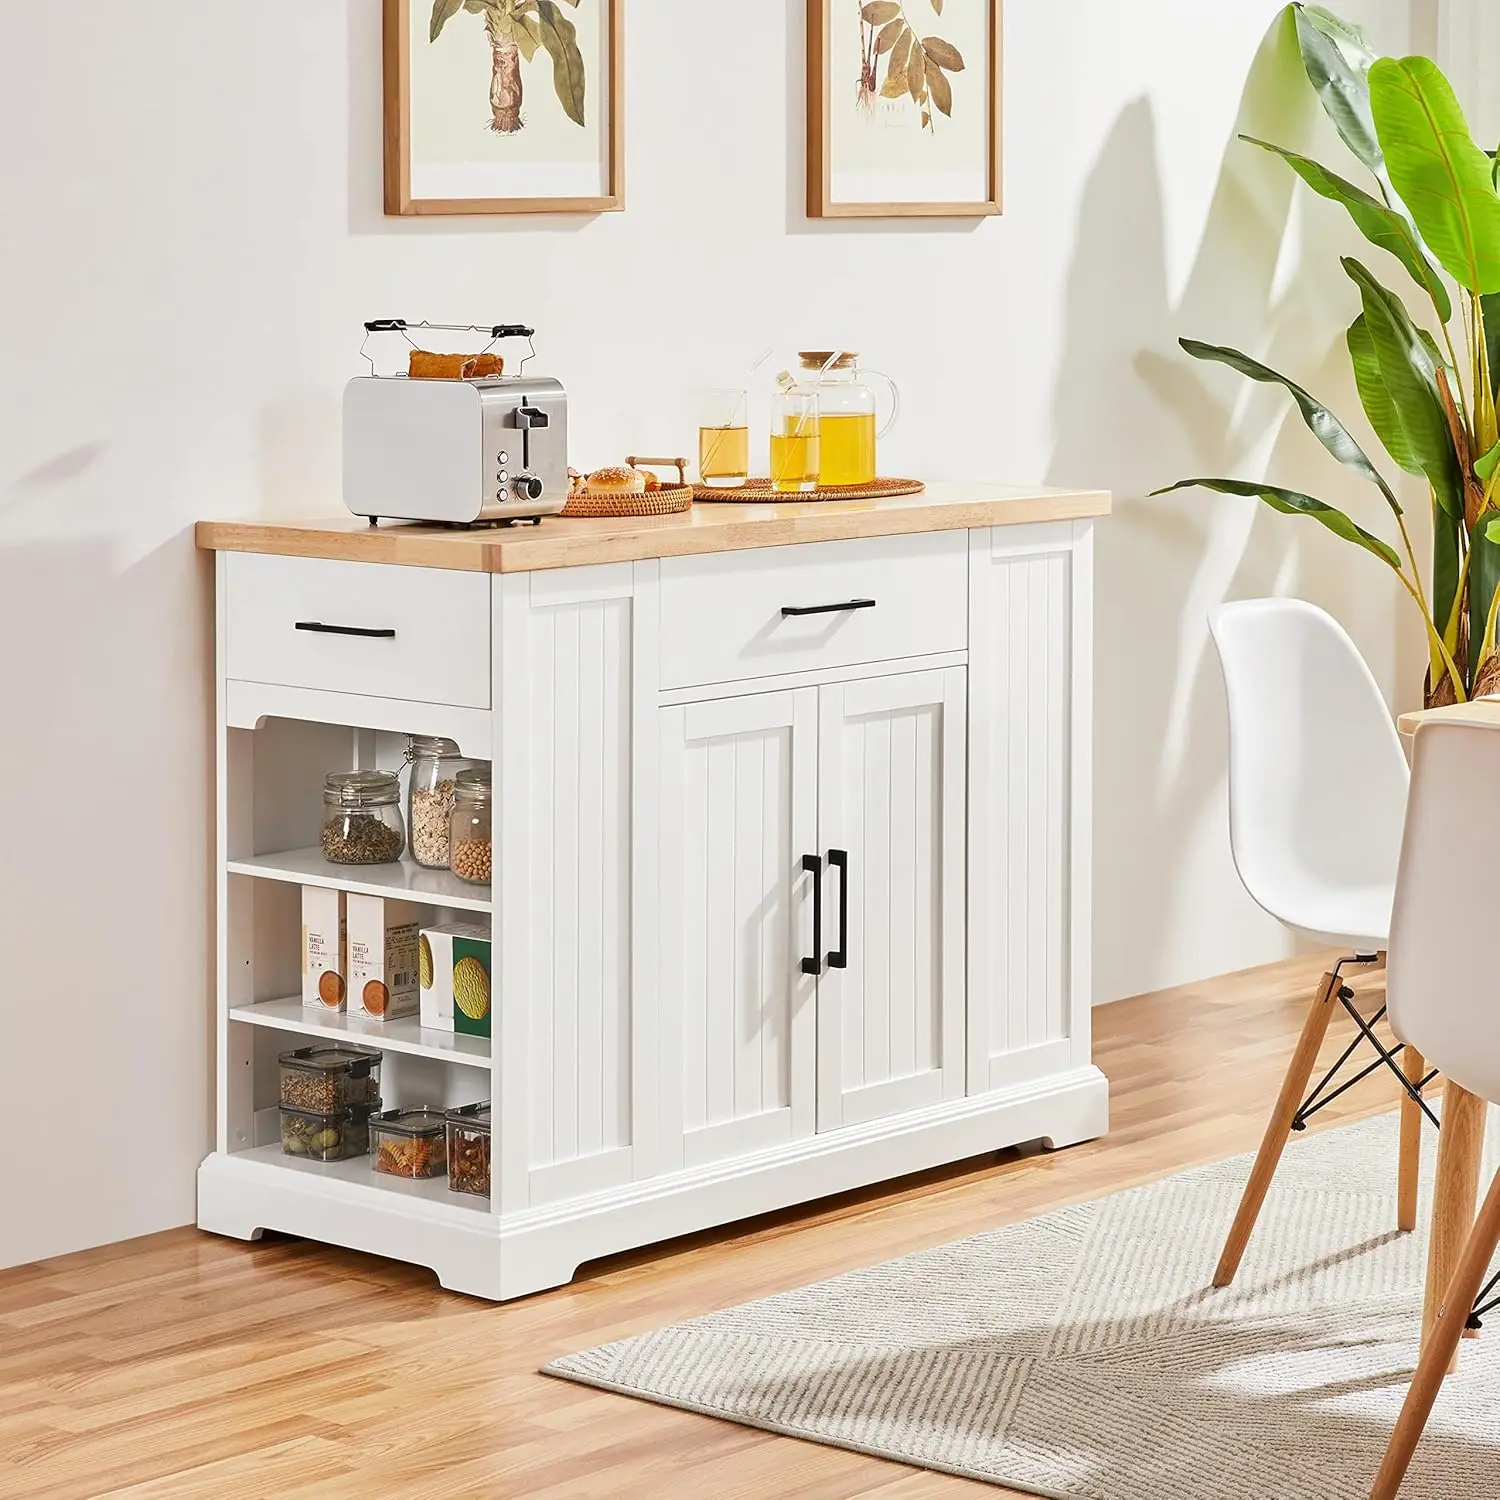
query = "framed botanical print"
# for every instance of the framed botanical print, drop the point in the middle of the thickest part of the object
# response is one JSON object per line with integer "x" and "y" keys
{"x": 903, "y": 108}
{"x": 503, "y": 106}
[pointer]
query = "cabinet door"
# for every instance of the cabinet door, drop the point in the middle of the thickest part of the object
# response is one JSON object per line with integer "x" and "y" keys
{"x": 1030, "y": 732}
{"x": 891, "y": 800}
{"x": 738, "y": 812}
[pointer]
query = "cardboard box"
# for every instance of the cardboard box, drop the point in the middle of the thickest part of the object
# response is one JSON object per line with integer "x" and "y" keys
{"x": 324, "y": 939}
{"x": 455, "y": 974}
{"x": 382, "y": 938}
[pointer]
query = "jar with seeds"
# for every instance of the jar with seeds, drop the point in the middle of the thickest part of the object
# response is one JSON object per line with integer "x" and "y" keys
{"x": 362, "y": 818}
{"x": 469, "y": 831}
{"x": 435, "y": 763}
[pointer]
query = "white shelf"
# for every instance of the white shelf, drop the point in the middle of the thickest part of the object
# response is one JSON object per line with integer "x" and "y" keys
{"x": 404, "y": 1034}
{"x": 406, "y": 881}
{"x": 359, "y": 1173}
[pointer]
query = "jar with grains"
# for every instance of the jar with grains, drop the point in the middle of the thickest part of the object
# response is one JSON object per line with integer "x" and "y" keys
{"x": 469, "y": 831}
{"x": 435, "y": 763}
{"x": 362, "y": 818}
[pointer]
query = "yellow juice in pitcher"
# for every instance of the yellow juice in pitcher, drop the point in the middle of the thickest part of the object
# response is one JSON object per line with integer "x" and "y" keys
{"x": 848, "y": 448}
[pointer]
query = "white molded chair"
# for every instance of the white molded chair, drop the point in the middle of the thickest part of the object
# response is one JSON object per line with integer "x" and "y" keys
{"x": 1317, "y": 794}
{"x": 1442, "y": 998}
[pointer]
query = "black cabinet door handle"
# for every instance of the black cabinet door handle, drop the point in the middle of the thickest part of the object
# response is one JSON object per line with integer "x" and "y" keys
{"x": 321, "y": 629}
{"x": 813, "y": 864}
{"x": 789, "y": 610}
{"x": 838, "y": 859}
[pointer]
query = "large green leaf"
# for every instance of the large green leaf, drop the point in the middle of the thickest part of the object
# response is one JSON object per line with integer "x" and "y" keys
{"x": 1410, "y": 376}
{"x": 1294, "y": 503}
{"x": 1326, "y": 427}
{"x": 1376, "y": 399}
{"x": 1484, "y": 579}
{"x": 560, "y": 38}
{"x": 1379, "y": 224}
{"x": 1441, "y": 175}
{"x": 1338, "y": 60}
{"x": 442, "y": 12}
{"x": 1447, "y": 564}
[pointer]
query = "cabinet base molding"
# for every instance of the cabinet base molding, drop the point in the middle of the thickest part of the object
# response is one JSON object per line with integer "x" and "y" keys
{"x": 515, "y": 1254}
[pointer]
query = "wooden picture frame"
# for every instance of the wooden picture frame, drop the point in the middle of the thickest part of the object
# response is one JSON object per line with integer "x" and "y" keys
{"x": 825, "y": 95}
{"x": 404, "y": 180}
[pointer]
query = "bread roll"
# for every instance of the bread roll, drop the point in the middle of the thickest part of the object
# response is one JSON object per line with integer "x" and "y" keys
{"x": 617, "y": 480}
{"x": 653, "y": 481}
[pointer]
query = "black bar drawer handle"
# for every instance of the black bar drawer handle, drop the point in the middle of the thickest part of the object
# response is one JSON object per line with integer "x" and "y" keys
{"x": 826, "y": 609}
{"x": 813, "y": 864}
{"x": 838, "y": 859}
{"x": 321, "y": 629}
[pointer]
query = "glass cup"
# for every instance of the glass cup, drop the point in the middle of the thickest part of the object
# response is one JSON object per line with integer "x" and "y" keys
{"x": 724, "y": 439}
{"x": 795, "y": 445}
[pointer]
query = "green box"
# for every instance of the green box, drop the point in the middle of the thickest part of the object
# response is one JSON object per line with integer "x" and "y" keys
{"x": 471, "y": 986}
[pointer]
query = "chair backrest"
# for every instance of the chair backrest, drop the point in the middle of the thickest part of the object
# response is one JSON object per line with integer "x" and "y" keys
{"x": 1440, "y": 978}
{"x": 1317, "y": 776}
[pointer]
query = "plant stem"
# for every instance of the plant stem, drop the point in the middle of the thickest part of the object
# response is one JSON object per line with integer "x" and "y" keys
{"x": 1449, "y": 666}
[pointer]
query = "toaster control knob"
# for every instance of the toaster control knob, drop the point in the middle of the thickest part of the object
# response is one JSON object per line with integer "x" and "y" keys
{"x": 504, "y": 456}
{"x": 503, "y": 475}
{"x": 529, "y": 487}
{"x": 502, "y": 493}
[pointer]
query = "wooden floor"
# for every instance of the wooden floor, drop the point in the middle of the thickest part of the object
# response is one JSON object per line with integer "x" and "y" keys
{"x": 184, "y": 1365}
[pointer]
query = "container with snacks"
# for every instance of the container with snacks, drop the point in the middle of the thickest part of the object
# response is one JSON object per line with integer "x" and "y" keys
{"x": 332, "y": 1135}
{"x": 329, "y": 1076}
{"x": 410, "y": 1142}
{"x": 469, "y": 1149}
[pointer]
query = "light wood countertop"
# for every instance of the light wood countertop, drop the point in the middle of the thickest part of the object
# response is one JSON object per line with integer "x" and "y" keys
{"x": 560, "y": 542}
{"x": 1484, "y": 711}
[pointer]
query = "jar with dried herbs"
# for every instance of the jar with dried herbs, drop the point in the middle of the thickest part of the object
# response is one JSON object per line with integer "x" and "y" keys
{"x": 435, "y": 764}
{"x": 362, "y": 818}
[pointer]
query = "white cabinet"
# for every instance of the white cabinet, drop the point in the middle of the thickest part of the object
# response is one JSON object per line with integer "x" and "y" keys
{"x": 891, "y": 800}
{"x": 738, "y": 810}
{"x": 790, "y": 882}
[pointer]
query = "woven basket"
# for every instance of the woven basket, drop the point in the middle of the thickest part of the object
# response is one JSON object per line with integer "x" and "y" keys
{"x": 760, "y": 492}
{"x": 669, "y": 500}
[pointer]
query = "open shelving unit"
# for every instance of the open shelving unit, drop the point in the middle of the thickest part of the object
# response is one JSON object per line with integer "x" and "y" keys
{"x": 270, "y": 814}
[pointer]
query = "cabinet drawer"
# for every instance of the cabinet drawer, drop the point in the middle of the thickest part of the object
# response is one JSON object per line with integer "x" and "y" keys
{"x": 722, "y": 615}
{"x": 420, "y": 634}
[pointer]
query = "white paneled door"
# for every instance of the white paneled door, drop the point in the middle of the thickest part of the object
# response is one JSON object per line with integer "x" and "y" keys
{"x": 738, "y": 810}
{"x": 891, "y": 829}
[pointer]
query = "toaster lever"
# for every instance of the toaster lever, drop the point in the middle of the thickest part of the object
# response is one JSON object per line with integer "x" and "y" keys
{"x": 528, "y": 417}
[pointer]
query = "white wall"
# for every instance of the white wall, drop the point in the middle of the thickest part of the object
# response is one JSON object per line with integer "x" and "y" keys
{"x": 190, "y": 236}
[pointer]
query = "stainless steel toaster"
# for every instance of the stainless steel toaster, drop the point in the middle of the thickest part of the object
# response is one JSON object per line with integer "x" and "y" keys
{"x": 464, "y": 452}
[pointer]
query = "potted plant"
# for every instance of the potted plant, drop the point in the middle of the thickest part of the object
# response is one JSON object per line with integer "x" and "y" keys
{"x": 1427, "y": 386}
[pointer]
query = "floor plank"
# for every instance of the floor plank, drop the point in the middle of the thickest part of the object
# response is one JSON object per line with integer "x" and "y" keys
{"x": 181, "y": 1365}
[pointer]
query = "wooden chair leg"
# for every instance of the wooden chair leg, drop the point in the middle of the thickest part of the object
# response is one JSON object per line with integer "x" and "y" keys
{"x": 1293, "y": 1091}
{"x": 1409, "y": 1170}
{"x": 1454, "y": 1192}
{"x": 1441, "y": 1346}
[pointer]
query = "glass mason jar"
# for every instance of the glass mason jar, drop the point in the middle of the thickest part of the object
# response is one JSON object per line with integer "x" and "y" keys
{"x": 435, "y": 764}
{"x": 847, "y": 414}
{"x": 469, "y": 831}
{"x": 362, "y": 818}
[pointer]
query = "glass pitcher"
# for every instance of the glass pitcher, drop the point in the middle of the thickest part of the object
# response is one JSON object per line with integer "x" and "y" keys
{"x": 847, "y": 414}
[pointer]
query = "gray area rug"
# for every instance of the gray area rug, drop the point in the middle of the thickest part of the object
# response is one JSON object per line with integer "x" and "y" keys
{"x": 1082, "y": 1356}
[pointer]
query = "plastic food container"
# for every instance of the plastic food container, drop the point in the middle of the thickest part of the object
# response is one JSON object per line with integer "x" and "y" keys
{"x": 410, "y": 1142}
{"x": 333, "y": 1136}
{"x": 469, "y": 1149}
{"x": 330, "y": 1076}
